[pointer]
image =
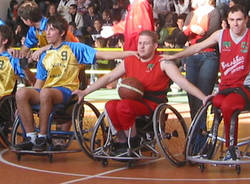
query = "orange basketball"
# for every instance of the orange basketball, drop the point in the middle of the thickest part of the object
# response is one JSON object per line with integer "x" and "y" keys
{"x": 130, "y": 88}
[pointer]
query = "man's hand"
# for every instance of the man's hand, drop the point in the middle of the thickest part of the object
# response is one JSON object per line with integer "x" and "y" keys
{"x": 80, "y": 93}
{"x": 207, "y": 98}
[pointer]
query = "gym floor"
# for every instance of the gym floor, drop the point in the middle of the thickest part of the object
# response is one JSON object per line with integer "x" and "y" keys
{"x": 78, "y": 168}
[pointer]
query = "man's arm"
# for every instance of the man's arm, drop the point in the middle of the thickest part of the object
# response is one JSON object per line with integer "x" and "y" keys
{"x": 39, "y": 84}
{"x": 209, "y": 42}
{"x": 101, "y": 82}
{"x": 114, "y": 55}
{"x": 173, "y": 72}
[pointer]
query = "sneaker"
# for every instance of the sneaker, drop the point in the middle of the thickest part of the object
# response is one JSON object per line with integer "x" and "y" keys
{"x": 230, "y": 154}
{"x": 25, "y": 145}
{"x": 41, "y": 144}
{"x": 58, "y": 144}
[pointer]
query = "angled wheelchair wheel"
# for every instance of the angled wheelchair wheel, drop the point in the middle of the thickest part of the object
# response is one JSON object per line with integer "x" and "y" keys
{"x": 18, "y": 133}
{"x": 205, "y": 135}
{"x": 7, "y": 118}
{"x": 100, "y": 144}
{"x": 84, "y": 118}
{"x": 170, "y": 132}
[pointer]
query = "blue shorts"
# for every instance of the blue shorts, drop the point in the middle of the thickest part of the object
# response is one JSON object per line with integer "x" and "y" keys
{"x": 65, "y": 91}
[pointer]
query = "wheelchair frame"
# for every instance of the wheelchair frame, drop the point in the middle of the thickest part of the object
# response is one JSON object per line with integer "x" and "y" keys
{"x": 78, "y": 119}
{"x": 156, "y": 136}
{"x": 210, "y": 148}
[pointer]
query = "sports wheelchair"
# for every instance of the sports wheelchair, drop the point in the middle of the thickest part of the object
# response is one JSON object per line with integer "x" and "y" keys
{"x": 206, "y": 142}
{"x": 82, "y": 116}
{"x": 7, "y": 116}
{"x": 164, "y": 132}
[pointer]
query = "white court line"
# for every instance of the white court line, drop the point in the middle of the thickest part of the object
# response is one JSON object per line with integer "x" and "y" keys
{"x": 101, "y": 175}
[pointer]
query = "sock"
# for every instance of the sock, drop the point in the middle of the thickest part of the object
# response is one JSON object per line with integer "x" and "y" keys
{"x": 42, "y": 135}
{"x": 32, "y": 135}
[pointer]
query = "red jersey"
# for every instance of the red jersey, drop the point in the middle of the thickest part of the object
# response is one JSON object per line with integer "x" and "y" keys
{"x": 139, "y": 18}
{"x": 148, "y": 73}
{"x": 234, "y": 60}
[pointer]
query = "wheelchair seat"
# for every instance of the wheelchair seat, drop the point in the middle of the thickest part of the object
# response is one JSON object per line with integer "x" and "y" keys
{"x": 155, "y": 135}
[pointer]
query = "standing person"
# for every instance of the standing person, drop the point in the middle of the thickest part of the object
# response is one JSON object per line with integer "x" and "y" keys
{"x": 234, "y": 65}
{"x": 139, "y": 17}
{"x": 154, "y": 76}
{"x": 31, "y": 15}
{"x": 57, "y": 77}
{"x": 201, "y": 68}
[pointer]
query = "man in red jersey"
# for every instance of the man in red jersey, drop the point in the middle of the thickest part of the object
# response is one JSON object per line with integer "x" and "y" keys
{"x": 234, "y": 89}
{"x": 139, "y": 17}
{"x": 155, "y": 77}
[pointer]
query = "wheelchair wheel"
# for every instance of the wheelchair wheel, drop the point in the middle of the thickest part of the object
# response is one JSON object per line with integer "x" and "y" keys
{"x": 204, "y": 133}
{"x": 99, "y": 141}
{"x": 7, "y": 118}
{"x": 170, "y": 132}
{"x": 84, "y": 118}
{"x": 18, "y": 133}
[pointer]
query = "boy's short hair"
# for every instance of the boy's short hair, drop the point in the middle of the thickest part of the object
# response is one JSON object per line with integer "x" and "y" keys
{"x": 238, "y": 7}
{"x": 6, "y": 34}
{"x": 151, "y": 34}
{"x": 58, "y": 22}
{"x": 30, "y": 10}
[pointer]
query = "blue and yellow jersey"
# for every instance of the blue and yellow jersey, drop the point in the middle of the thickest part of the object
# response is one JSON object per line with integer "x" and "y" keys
{"x": 9, "y": 69}
{"x": 60, "y": 66}
{"x": 2, "y": 22}
{"x": 37, "y": 37}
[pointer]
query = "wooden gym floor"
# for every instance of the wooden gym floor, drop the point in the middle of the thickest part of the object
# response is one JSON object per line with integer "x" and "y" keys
{"x": 78, "y": 168}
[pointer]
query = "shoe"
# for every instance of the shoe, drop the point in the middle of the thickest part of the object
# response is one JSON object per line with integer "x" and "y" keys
{"x": 41, "y": 144}
{"x": 58, "y": 144}
{"x": 230, "y": 154}
{"x": 25, "y": 145}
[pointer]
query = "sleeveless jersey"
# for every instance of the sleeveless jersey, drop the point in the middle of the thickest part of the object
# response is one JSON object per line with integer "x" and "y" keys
{"x": 37, "y": 37}
{"x": 234, "y": 60}
{"x": 9, "y": 69}
{"x": 148, "y": 73}
{"x": 60, "y": 66}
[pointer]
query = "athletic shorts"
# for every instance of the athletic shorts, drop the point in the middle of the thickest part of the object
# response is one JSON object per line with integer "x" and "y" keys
{"x": 65, "y": 91}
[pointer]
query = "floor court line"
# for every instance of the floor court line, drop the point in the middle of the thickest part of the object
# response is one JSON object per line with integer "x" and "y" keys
{"x": 102, "y": 175}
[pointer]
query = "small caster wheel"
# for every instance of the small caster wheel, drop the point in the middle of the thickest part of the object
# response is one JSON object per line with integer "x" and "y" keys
{"x": 202, "y": 167}
{"x": 18, "y": 156}
{"x": 104, "y": 162}
{"x": 131, "y": 164}
{"x": 50, "y": 158}
{"x": 238, "y": 169}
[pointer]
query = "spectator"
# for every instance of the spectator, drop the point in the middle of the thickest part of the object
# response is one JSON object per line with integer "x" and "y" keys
{"x": 106, "y": 18}
{"x": 201, "y": 68}
{"x": 63, "y": 7}
{"x": 74, "y": 16}
{"x": 51, "y": 10}
{"x": 181, "y": 6}
{"x": 89, "y": 18}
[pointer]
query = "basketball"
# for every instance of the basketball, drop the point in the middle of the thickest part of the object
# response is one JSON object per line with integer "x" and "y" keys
{"x": 130, "y": 88}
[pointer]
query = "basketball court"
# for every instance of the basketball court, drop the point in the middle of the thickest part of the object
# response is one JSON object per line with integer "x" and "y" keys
{"x": 78, "y": 168}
